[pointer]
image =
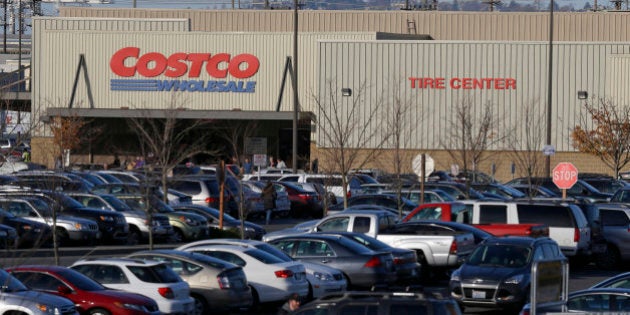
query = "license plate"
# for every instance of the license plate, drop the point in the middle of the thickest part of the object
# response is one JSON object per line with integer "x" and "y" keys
{"x": 478, "y": 294}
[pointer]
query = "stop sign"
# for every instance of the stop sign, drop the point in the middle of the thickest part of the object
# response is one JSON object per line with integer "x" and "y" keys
{"x": 565, "y": 175}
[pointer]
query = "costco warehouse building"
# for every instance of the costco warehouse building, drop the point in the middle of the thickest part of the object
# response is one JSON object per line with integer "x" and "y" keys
{"x": 127, "y": 62}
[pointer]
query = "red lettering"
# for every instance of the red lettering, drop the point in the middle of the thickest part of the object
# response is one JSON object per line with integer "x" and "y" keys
{"x": 413, "y": 82}
{"x": 213, "y": 65}
{"x": 117, "y": 63}
{"x": 128, "y": 62}
{"x": 439, "y": 83}
{"x": 510, "y": 84}
{"x": 176, "y": 65}
{"x": 455, "y": 83}
{"x": 252, "y": 66}
{"x": 157, "y": 60}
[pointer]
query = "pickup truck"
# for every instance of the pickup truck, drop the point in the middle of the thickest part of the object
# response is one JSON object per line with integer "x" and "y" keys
{"x": 435, "y": 250}
{"x": 459, "y": 212}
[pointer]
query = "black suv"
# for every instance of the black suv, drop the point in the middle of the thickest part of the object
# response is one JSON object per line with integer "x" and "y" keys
{"x": 382, "y": 303}
{"x": 498, "y": 272}
{"x": 581, "y": 189}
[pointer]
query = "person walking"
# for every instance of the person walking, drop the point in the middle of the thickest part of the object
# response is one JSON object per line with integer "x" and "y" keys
{"x": 269, "y": 199}
{"x": 291, "y": 305}
{"x": 247, "y": 166}
{"x": 26, "y": 156}
{"x": 281, "y": 164}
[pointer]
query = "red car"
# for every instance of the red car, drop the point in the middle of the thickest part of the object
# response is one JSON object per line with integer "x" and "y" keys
{"x": 89, "y": 296}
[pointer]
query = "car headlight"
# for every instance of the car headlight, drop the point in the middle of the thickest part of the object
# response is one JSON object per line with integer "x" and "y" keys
{"x": 515, "y": 279}
{"x": 129, "y": 306}
{"x": 455, "y": 276}
{"x": 107, "y": 218}
{"x": 249, "y": 229}
{"x": 323, "y": 276}
{"x": 48, "y": 309}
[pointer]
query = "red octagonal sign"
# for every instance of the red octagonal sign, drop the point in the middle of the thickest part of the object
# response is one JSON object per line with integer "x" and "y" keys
{"x": 565, "y": 175}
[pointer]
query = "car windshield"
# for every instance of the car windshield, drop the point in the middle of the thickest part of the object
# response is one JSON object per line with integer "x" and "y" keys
{"x": 370, "y": 242}
{"x": 81, "y": 281}
{"x": 117, "y": 204}
{"x": 10, "y": 284}
{"x": 155, "y": 274}
{"x": 41, "y": 206}
{"x": 263, "y": 256}
{"x": 510, "y": 256}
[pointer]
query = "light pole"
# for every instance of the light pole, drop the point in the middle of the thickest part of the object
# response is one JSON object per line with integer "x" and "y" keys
{"x": 549, "y": 85}
{"x": 295, "y": 85}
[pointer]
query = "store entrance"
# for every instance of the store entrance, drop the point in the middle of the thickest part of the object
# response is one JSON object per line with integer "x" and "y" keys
{"x": 285, "y": 147}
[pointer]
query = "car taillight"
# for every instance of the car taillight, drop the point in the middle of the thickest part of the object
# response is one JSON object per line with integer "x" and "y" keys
{"x": 373, "y": 262}
{"x": 398, "y": 261}
{"x": 211, "y": 200}
{"x": 305, "y": 197}
{"x": 453, "y": 249}
{"x": 349, "y": 194}
{"x": 284, "y": 274}
{"x": 166, "y": 292}
{"x": 224, "y": 282}
{"x": 576, "y": 235}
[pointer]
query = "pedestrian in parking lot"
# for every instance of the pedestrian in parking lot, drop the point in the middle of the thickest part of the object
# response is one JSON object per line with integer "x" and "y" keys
{"x": 272, "y": 162}
{"x": 269, "y": 199}
{"x": 281, "y": 164}
{"x": 247, "y": 167}
{"x": 291, "y": 305}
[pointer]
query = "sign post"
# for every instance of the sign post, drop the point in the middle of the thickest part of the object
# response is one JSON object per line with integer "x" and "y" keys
{"x": 565, "y": 175}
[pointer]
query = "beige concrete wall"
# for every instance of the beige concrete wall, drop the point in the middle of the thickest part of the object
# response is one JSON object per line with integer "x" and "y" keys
{"x": 441, "y": 25}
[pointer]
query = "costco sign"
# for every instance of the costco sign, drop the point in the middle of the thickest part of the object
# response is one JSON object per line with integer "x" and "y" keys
{"x": 185, "y": 71}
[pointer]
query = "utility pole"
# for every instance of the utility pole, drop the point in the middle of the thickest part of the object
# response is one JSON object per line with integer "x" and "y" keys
{"x": 295, "y": 86}
{"x": 4, "y": 50}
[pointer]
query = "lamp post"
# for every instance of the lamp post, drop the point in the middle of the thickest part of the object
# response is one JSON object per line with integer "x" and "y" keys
{"x": 295, "y": 85}
{"x": 549, "y": 86}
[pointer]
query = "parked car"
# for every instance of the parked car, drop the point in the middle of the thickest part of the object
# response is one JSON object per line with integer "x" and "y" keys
{"x": 580, "y": 190}
{"x": 69, "y": 229}
{"x": 18, "y": 299}
{"x": 112, "y": 226}
{"x": 383, "y": 200}
{"x": 216, "y": 285}
{"x": 498, "y": 191}
{"x": 204, "y": 191}
{"x": 321, "y": 278}
{"x": 621, "y": 280}
{"x": 381, "y": 303}
{"x": 186, "y": 226}
{"x": 498, "y": 272}
{"x": 363, "y": 267}
{"x": 304, "y": 203}
{"x": 415, "y": 195}
{"x": 270, "y": 278}
{"x": 592, "y": 301}
{"x": 605, "y": 184}
{"x": 137, "y": 220}
{"x": 535, "y": 191}
{"x": 251, "y": 230}
{"x": 30, "y": 232}
{"x": 613, "y": 221}
{"x": 8, "y": 237}
{"x": 150, "y": 278}
{"x": 408, "y": 270}
{"x": 283, "y": 204}
{"x": 89, "y": 296}
{"x": 445, "y": 227}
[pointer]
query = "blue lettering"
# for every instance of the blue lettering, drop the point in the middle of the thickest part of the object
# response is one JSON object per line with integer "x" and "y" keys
{"x": 204, "y": 86}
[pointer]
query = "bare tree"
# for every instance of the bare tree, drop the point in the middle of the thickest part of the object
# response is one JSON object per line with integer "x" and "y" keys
{"x": 351, "y": 131}
{"x": 471, "y": 134}
{"x": 609, "y": 134}
{"x": 235, "y": 133}
{"x": 168, "y": 141}
{"x": 399, "y": 123}
{"x": 525, "y": 142}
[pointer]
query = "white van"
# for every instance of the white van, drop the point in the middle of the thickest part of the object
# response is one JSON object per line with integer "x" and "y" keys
{"x": 567, "y": 224}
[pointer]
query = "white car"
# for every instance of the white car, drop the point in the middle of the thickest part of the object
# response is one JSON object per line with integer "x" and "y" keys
{"x": 322, "y": 279}
{"x": 150, "y": 278}
{"x": 271, "y": 278}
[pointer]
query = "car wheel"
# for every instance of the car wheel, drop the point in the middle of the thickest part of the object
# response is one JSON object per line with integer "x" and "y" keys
{"x": 134, "y": 237}
{"x": 62, "y": 237}
{"x": 255, "y": 300}
{"x": 177, "y": 237}
{"x": 610, "y": 259}
{"x": 99, "y": 311}
{"x": 200, "y": 305}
